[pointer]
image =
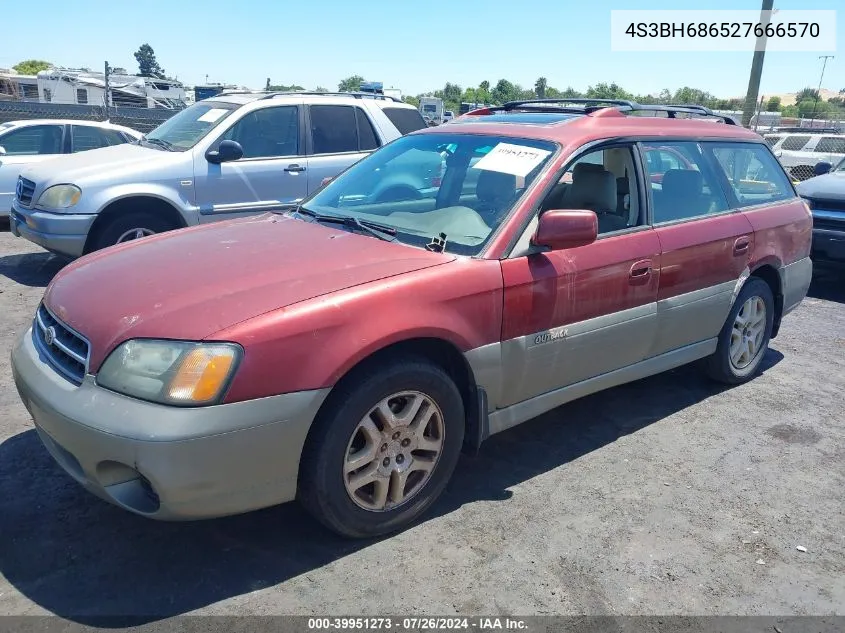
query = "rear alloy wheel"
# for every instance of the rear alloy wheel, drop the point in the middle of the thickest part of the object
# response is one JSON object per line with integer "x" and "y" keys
{"x": 745, "y": 336}
{"x": 382, "y": 448}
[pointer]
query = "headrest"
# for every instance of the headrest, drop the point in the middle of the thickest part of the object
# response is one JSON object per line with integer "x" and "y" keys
{"x": 682, "y": 182}
{"x": 592, "y": 189}
{"x": 495, "y": 187}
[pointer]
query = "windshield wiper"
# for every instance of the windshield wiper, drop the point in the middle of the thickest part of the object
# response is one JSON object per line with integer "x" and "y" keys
{"x": 159, "y": 142}
{"x": 381, "y": 231}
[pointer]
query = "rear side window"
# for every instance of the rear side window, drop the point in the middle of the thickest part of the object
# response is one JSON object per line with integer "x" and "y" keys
{"x": 831, "y": 145}
{"x": 688, "y": 189}
{"x": 33, "y": 140}
{"x": 406, "y": 120}
{"x": 794, "y": 143}
{"x": 85, "y": 137}
{"x": 753, "y": 173}
{"x": 333, "y": 129}
{"x": 366, "y": 135}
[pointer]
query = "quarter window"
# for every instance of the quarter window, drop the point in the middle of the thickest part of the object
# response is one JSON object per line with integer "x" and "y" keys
{"x": 794, "y": 143}
{"x": 366, "y": 135}
{"x": 753, "y": 173}
{"x": 267, "y": 133}
{"x": 687, "y": 191}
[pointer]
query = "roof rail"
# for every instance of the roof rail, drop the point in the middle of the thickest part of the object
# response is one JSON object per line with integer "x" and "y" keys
{"x": 512, "y": 105}
{"x": 264, "y": 94}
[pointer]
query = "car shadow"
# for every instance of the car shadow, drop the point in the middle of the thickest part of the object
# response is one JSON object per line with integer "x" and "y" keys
{"x": 828, "y": 283}
{"x": 84, "y": 560}
{"x": 32, "y": 269}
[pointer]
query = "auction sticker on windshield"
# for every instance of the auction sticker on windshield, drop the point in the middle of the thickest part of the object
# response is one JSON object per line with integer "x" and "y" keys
{"x": 212, "y": 115}
{"x": 507, "y": 158}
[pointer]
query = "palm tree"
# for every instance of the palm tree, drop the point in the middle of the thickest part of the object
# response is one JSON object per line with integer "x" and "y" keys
{"x": 540, "y": 87}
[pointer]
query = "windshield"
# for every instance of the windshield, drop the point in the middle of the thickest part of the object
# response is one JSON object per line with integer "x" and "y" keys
{"x": 431, "y": 188}
{"x": 184, "y": 130}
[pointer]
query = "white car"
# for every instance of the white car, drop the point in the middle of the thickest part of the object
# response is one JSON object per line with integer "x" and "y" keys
{"x": 23, "y": 143}
{"x": 800, "y": 152}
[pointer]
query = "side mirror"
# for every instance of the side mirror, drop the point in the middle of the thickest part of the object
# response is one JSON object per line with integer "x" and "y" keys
{"x": 560, "y": 229}
{"x": 2, "y": 151}
{"x": 822, "y": 168}
{"x": 227, "y": 151}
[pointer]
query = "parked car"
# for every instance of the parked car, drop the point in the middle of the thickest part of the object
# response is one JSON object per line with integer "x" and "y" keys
{"x": 24, "y": 143}
{"x": 448, "y": 115}
{"x": 229, "y": 156}
{"x": 800, "y": 152}
{"x": 343, "y": 353}
{"x": 825, "y": 195}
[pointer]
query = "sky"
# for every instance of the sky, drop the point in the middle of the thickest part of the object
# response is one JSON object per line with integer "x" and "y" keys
{"x": 414, "y": 46}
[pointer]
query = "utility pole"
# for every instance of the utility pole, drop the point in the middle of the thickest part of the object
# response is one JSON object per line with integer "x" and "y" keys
{"x": 819, "y": 91}
{"x": 106, "y": 75}
{"x": 757, "y": 65}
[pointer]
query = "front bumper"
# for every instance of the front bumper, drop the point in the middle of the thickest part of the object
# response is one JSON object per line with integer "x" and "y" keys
{"x": 62, "y": 233}
{"x": 163, "y": 462}
{"x": 829, "y": 245}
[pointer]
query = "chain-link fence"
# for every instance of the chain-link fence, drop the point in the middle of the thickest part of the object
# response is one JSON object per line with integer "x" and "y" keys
{"x": 141, "y": 119}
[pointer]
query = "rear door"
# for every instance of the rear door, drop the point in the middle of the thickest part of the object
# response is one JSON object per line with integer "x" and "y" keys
{"x": 271, "y": 174}
{"x": 705, "y": 246}
{"x": 338, "y": 136}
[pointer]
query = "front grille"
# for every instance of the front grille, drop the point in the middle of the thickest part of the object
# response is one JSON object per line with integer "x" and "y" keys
{"x": 63, "y": 348}
{"x": 829, "y": 205}
{"x": 25, "y": 191}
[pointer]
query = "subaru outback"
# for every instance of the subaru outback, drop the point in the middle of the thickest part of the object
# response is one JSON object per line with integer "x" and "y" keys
{"x": 345, "y": 352}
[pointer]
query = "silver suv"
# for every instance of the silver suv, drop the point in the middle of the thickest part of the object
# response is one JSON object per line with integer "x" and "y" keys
{"x": 225, "y": 157}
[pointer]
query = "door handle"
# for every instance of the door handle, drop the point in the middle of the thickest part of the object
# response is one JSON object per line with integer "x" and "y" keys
{"x": 741, "y": 245}
{"x": 641, "y": 271}
{"x": 294, "y": 168}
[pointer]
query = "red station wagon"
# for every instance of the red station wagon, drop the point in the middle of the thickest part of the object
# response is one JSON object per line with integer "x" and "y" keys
{"x": 344, "y": 352}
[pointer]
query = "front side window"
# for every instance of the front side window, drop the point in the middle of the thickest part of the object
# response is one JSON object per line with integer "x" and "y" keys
{"x": 454, "y": 187}
{"x": 831, "y": 145}
{"x": 86, "y": 137}
{"x": 33, "y": 140}
{"x": 184, "y": 130}
{"x": 267, "y": 133}
{"x": 687, "y": 191}
{"x": 794, "y": 143}
{"x": 603, "y": 181}
{"x": 753, "y": 173}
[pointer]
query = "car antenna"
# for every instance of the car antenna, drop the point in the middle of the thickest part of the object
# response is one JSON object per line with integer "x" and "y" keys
{"x": 437, "y": 244}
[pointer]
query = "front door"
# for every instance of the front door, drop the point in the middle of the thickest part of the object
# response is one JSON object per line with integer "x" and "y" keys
{"x": 270, "y": 176}
{"x": 574, "y": 314}
{"x": 705, "y": 247}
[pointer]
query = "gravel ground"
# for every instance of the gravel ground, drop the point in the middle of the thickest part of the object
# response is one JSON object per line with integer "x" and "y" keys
{"x": 666, "y": 496}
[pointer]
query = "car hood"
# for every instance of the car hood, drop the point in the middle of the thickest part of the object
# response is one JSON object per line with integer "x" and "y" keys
{"x": 107, "y": 163}
{"x": 191, "y": 283}
{"x": 829, "y": 186}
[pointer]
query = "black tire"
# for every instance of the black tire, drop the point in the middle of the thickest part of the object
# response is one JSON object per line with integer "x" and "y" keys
{"x": 321, "y": 482}
{"x": 109, "y": 234}
{"x": 719, "y": 366}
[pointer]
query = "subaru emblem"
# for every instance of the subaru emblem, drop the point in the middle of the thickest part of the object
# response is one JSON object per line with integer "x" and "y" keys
{"x": 49, "y": 335}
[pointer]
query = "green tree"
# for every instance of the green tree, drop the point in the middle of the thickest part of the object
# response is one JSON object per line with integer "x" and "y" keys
{"x": 31, "y": 66}
{"x": 147, "y": 63}
{"x": 608, "y": 91}
{"x": 320, "y": 89}
{"x": 540, "y": 87}
{"x": 414, "y": 101}
{"x": 505, "y": 91}
{"x": 482, "y": 94}
{"x": 284, "y": 88}
{"x": 693, "y": 96}
{"x": 350, "y": 84}
{"x": 773, "y": 104}
{"x": 806, "y": 94}
{"x": 812, "y": 108}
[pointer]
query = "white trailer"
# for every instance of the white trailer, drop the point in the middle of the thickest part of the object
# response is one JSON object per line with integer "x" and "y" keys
{"x": 432, "y": 108}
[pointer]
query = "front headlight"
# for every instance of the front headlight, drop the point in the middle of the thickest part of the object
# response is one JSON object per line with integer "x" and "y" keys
{"x": 171, "y": 372}
{"x": 59, "y": 197}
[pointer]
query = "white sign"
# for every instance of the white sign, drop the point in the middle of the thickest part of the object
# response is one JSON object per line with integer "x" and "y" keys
{"x": 517, "y": 160}
{"x": 212, "y": 115}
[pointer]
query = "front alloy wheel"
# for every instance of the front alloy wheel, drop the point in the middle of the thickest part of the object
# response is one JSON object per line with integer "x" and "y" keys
{"x": 393, "y": 451}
